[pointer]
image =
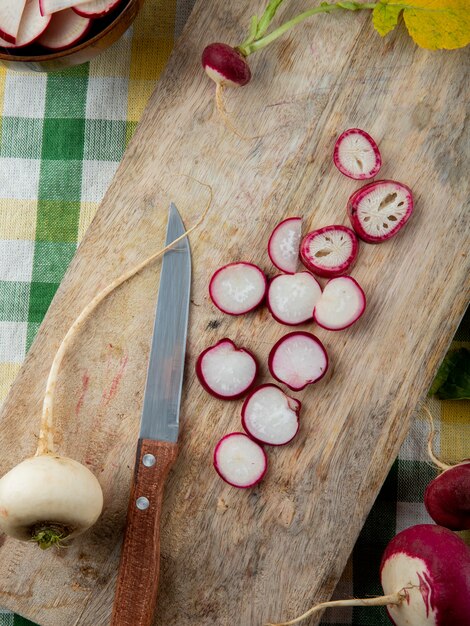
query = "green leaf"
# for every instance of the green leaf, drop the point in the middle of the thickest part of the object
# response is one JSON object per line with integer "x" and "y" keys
{"x": 385, "y": 17}
{"x": 452, "y": 380}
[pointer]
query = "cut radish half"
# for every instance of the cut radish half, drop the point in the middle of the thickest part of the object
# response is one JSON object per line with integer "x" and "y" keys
{"x": 342, "y": 303}
{"x": 292, "y": 297}
{"x": 48, "y": 7}
{"x": 298, "y": 359}
{"x": 380, "y": 209}
{"x": 283, "y": 245}
{"x": 225, "y": 371}
{"x": 10, "y": 18}
{"x": 238, "y": 288}
{"x": 356, "y": 154}
{"x": 329, "y": 251}
{"x": 270, "y": 416}
{"x": 240, "y": 461}
{"x": 96, "y": 8}
{"x": 65, "y": 29}
{"x": 32, "y": 25}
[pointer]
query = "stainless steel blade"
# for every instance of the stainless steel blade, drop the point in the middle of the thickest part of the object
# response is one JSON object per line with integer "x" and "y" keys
{"x": 160, "y": 414}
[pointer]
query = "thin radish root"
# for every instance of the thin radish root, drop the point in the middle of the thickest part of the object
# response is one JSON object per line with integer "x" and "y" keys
{"x": 432, "y": 432}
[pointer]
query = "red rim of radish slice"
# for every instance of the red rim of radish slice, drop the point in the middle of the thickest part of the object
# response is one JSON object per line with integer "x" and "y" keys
{"x": 356, "y": 155}
{"x": 275, "y": 423}
{"x": 32, "y": 25}
{"x": 329, "y": 251}
{"x": 65, "y": 29}
{"x": 446, "y": 497}
{"x": 292, "y": 297}
{"x": 225, "y": 65}
{"x": 96, "y": 8}
{"x": 283, "y": 245}
{"x": 11, "y": 13}
{"x": 224, "y": 358}
{"x": 235, "y": 294}
{"x": 240, "y": 461}
{"x": 342, "y": 303}
{"x": 298, "y": 359}
{"x": 380, "y": 209}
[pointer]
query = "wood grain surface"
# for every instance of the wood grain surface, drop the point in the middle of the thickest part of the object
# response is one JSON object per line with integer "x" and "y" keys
{"x": 230, "y": 556}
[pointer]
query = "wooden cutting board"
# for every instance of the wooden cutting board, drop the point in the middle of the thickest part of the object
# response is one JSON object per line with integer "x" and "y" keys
{"x": 242, "y": 557}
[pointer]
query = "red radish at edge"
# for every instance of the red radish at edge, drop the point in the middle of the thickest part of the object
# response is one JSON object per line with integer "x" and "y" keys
{"x": 32, "y": 25}
{"x": 96, "y": 8}
{"x": 225, "y": 371}
{"x": 356, "y": 155}
{"x": 329, "y": 251}
{"x": 380, "y": 209}
{"x": 283, "y": 245}
{"x": 298, "y": 359}
{"x": 342, "y": 303}
{"x": 238, "y": 288}
{"x": 447, "y": 497}
{"x": 270, "y": 416}
{"x": 292, "y": 297}
{"x": 240, "y": 461}
{"x": 65, "y": 29}
{"x": 225, "y": 65}
{"x": 10, "y": 18}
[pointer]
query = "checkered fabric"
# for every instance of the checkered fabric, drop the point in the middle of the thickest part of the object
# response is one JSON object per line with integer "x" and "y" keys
{"x": 62, "y": 137}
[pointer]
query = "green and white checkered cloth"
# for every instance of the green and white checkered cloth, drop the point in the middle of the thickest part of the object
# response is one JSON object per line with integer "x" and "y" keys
{"x": 62, "y": 137}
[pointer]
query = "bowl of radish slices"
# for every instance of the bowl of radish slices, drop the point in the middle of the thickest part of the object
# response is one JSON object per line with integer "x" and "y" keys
{"x": 45, "y": 35}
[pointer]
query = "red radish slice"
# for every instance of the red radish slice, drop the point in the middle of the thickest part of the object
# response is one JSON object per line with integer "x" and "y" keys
{"x": 48, "y": 7}
{"x": 329, "y": 251}
{"x": 240, "y": 461}
{"x": 447, "y": 497}
{"x": 10, "y": 18}
{"x": 270, "y": 416}
{"x": 225, "y": 371}
{"x": 292, "y": 297}
{"x": 96, "y": 8}
{"x": 342, "y": 303}
{"x": 356, "y": 154}
{"x": 380, "y": 209}
{"x": 32, "y": 25}
{"x": 238, "y": 288}
{"x": 65, "y": 29}
{"x": 283, "y": 245}
{"x": 297, "y": 360}
{"x": 225, "y": 65}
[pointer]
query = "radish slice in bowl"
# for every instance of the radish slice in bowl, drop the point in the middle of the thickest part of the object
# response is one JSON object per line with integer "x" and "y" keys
{"x": 64, "y": 30}
{"x": 283, "y": 245}
{"x": 356, "y": 155}
{"x": 270, "y": 416}
{"x": 32, "y": 25}
{"x": 297, "y": 360}
{"x": 225, "y": 371}
{"x": 342, "y": 303}
{"x": 238, "y": 288}
{"x": 292, "y": 297}
{"x": 329, "y": 251}
{"x": 380, "y": 209}
{"x": 96, "y": 8}
{"x": 240, "y": 461}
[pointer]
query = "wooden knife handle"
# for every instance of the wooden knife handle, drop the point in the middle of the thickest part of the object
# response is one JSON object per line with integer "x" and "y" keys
{"x": 137, "y": 584}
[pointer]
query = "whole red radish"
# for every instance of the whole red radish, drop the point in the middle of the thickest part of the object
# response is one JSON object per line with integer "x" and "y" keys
{"x": 225, "y": 65}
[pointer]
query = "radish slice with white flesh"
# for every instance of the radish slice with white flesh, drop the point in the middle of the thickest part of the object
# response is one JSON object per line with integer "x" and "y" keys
{"x": 297, "y": 360}
{"x": 49, "y": 7}
{"x": 270, "y": 416}
{"x": 380, "y": 209}
{"x": 292, "y": 297}
{"x": 283, "y": 245}
{"x": 10, "y": 18}
{"x": 96, "y": 8}
{"x": 65, "y": 29}
{"x": 32, "y": 25}
{"x": 225, "y": 371}
{"x": 240, "y": 461}
{"x": 356, "y": 155}
{"x": 342, "y": 303}
{"x": 238, "y": 288}
{"x": 329, "y": 251}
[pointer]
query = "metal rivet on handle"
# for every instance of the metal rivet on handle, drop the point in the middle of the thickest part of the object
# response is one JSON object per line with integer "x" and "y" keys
{"x": 149, "y": 460}
{"x": 142, "y": 503}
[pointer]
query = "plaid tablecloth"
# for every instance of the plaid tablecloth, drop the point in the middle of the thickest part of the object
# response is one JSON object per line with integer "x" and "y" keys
{"x": 62, "y": 137}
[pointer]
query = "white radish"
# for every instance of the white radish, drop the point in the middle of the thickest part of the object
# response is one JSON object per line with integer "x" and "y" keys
{"x": 240, "y": 461}
{"x": 283, "y": 244}
{"x": 238, "y": 288}
{"x": 356, "y": 154}
{"x": 329, "y": 251}
{"x": 65, "y": 30}
{"x": 48, "y": 7}
{"x": 297, "y": 360}
{"x": 225, "y": 371}
{"x": 270, "y": 416}
{"x": 10, "y": 18}
{"x": 342, "y": 303}
{"x": 95, "y": 8}
{"x": 292, "y": 297}
{"x": 32, "y": 25}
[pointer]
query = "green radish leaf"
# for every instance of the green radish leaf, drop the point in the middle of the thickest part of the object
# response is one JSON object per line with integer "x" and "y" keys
{"x": 385, "y": 18}
{"x": 452, "y": 381}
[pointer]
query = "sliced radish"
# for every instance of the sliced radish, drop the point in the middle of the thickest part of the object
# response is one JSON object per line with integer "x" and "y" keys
{"x": 48, "y": 7}
{"x": 95, "y": 8}
{"x": 10, "y": 18}
{"x": 298, "y": 359}
{"x": 380, "y": 209}
{"x": 356, "y": 154}
{"x": 342, "y": 303}
{"x": 329, "y": 251}
{"x": 270, "y": 416}
{"x": 238, "y": 288}
{"x": 240, "y": 461}
{"x": 283, "y": 245}
{"x": 225, "y": 371}
{"x": 292, "y": 297}
{"x": 65, "y": 29}
{"x": 32, "y": 25}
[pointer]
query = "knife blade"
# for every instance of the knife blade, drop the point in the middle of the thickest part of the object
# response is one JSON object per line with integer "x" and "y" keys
{"x": 137, "y": 585}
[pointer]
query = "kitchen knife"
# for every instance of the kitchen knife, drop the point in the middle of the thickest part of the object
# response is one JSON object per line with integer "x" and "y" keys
{"x": 137, "y": 584}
